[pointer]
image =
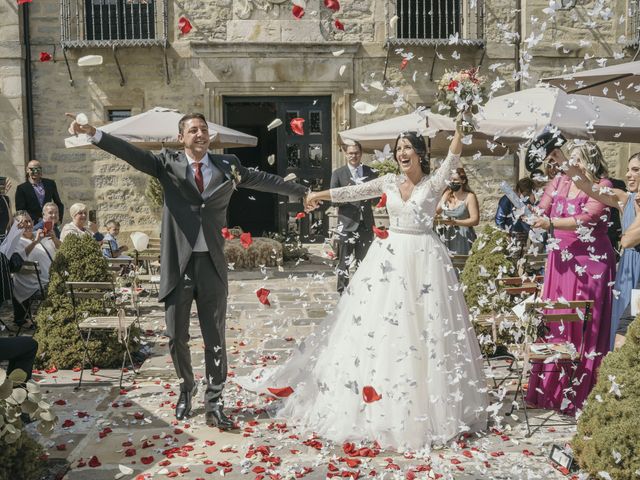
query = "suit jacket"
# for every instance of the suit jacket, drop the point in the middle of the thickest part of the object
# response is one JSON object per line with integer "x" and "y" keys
{"x": 186, "y": 209}
{"x": 26, "y": 199}
{"x": 349, "y": 213}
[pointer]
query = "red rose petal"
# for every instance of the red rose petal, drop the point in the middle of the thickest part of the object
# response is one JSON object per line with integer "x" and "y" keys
{"x": 68, "y": 423}
{"x": 146, "y": 460}
{"x": 45, "y": 57}
{"x": 246, "y": 240}
{"x": 404, "y": 63}
{"x": 338, "y": 24}
{"x": 383, "y": 201}
{"x": 297, "y": 125}
{"x": 53, "y": 369}
{"x": 332, "y": 5}
{"x": 281, "y": 392}
{"x": 300, "y": 215}
{"x": 184, "y": 25}
{"x": 226, "y": 234}
{"x": 263, "y": 296}
{"x": 297, "y": 11}
{"x": 370, "y": 395}
{"x": 94, "y": 462}
{"x": 22, "y": 2}
{"x": 380, "y": 232}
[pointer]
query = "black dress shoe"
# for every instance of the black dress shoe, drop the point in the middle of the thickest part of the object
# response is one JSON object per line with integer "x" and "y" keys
{"x": 216, "y": 418}
{"x": 183, "y": 407}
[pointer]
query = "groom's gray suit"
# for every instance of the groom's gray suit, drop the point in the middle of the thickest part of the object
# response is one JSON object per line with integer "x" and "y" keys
{"x": 185, "y": 211}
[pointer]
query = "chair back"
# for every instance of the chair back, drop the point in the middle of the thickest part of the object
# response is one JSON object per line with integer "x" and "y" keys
{"x": 32, "y": 267}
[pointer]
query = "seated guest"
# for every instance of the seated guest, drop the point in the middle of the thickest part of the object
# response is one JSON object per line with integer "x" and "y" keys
{"x": 79, "y": 224}
{"x": 49, "y": 220}
{"x": 36, "y": 191}
{"x": 20, "y": 351}
{"x": 34, "y": 248}
{"x": 110, "y": 247}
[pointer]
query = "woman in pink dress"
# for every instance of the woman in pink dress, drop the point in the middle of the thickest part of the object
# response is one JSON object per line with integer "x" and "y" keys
{"x": 580, "y": 266}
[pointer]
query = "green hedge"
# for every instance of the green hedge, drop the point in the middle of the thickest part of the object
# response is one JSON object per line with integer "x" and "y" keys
{"x": 488, "y": 260}
{"x": 78, "y": 259}
{"x": 610, "y": 424}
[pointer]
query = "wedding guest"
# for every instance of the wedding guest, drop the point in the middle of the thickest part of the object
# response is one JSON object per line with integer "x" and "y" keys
{"x": 34, "y": 248}
{"x": 36, "y": 191}
{"x": 626, "y": 202}
{"x": 110, "y": 247}
{"x": 506, "y": 216}
{"x": 630, "y": 241}
{"x": 20, "y": 352}
{"x": 580, "y": 266}
{"x": 460, "y": 212}
{"x": 79, "y": 224}
{"x": 355, "y": 219}
{"x": 50, "y": 220}
{"x": 6, "y": 218}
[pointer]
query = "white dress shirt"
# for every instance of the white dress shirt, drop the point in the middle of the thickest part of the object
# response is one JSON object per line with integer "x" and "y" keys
{"x": 356, "y": 173}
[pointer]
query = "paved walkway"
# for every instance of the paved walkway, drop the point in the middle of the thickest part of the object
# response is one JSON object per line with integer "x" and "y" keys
{"x": 105, "y": 432}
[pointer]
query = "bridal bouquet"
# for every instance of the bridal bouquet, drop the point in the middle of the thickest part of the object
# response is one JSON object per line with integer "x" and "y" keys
{"x": 459, "y": 96}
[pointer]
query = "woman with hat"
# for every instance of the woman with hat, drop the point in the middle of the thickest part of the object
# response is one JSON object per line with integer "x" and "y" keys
{"x": 580, "y": 266}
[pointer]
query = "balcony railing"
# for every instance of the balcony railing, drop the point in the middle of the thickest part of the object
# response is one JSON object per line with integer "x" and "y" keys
{"x": 436, "y": 21}
{"x": 113, "y": 23}
{"x": 633, "y": 23}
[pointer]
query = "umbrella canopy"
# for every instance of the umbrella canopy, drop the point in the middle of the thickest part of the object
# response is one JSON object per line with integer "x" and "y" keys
{"x": 376, "y": 135}
{"x": 617, "y": 81}
{"x": 158, "y": 127}
{"x": 518, "y": 116}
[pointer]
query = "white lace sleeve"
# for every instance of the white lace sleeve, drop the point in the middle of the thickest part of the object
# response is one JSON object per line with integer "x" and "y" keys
{"x": 363, "y": 191}
{"x": 441, "y": 176}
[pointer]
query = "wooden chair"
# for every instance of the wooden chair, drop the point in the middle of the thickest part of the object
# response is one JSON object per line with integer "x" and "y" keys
{"x": 458, "y": 262}
{"x": 533, "y": 263}
{"x": 33, "y": 268}
{"x": 119, "y": 323}
{"x": 565, "y": 356}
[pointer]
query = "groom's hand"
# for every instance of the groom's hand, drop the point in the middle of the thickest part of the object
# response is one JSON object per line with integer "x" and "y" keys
{"x": 75, "y": 128}
{"x": 310, "y": 202}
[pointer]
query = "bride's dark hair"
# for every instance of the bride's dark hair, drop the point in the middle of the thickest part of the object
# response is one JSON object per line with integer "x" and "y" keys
{"x": 420, "y": 147}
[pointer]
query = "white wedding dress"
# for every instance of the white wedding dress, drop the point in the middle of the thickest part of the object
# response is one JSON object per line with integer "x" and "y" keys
{"x": 401, "y": 327}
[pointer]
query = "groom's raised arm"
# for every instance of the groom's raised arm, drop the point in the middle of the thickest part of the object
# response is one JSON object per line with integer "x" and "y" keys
{"x": 267, "y": 182}
{"x": 138, "y": 158}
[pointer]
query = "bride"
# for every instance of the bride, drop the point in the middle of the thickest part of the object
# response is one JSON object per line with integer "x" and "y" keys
{"x": 398, "y": 361}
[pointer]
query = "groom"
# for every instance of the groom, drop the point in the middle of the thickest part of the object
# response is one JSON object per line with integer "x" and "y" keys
{"x": 197, "y": 189}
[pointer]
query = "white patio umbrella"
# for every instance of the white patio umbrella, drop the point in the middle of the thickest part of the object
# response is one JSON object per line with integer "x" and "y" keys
{"x": 517, "y": 117}
{"x": 617, "y": 81}
{"x": 378, "y": 134}
{"x": 158, "y": 127}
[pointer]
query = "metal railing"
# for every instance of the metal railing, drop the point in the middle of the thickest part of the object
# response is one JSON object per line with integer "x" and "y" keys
{"x": 435, "y": 21}
{"x": 113, "y": 23}
{"x": 633, "y": 15}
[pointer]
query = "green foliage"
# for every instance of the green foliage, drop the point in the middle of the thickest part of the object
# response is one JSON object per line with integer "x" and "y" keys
{"x": 154, "y": 192}
{"x": 292, "y": 248}
{"x": 78, "y": 259}
{"x": 609, "y": 423}
{"x": 22, "y": 459}
{"x": 388, "y": 165}
{"x": 19, "y": 453}
{"x": 490, "y": 259}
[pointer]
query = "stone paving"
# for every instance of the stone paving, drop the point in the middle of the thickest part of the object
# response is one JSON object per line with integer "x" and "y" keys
{"x": 107, "y": 433}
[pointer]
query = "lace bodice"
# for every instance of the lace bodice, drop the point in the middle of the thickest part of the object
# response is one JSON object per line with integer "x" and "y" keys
{"x": 415, "y": 215}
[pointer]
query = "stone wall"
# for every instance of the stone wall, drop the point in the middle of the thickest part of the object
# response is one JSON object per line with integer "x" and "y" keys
{"x": 245, "y": 47}
{"x": 13, "y": 149}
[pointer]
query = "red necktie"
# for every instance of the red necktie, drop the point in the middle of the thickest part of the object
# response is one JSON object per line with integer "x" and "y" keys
{"x": 199, "y": 178}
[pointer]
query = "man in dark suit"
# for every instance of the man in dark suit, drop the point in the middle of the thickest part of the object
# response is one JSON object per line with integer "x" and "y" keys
{"x": 197, "y": 189}
{"x": 36, "y": 191}
{"x": 355, "y": 219}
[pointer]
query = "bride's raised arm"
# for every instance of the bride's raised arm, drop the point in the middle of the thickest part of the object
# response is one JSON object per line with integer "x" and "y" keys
{"x": 441, "y": 176}
{"x": 351, "y": 193}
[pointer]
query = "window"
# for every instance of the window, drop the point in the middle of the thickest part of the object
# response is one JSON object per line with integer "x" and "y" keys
{"x": 435, "y": 21}
{"x": 119, "y": 19}
{"x": 118, "y": 114}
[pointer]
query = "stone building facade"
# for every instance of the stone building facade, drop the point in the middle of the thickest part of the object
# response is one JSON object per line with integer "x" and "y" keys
{"x": 247, "y": 61}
